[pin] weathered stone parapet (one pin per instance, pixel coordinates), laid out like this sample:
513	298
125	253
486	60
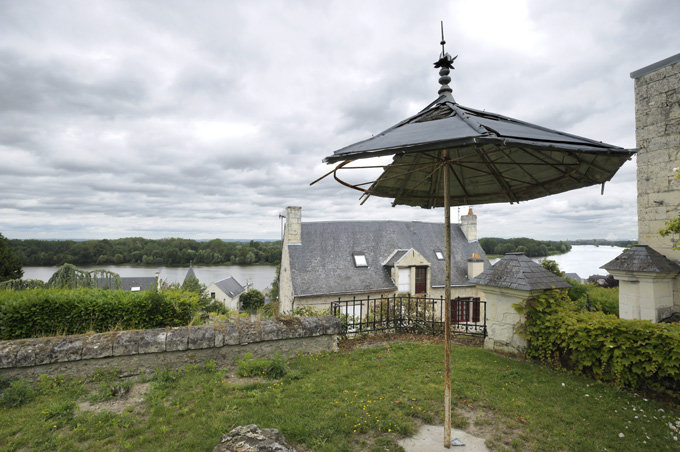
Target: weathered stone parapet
145	349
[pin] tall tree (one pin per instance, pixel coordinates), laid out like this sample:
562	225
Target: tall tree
10	267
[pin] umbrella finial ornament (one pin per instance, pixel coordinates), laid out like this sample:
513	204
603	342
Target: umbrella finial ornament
445	63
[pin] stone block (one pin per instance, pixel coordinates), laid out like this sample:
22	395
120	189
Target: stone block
249	332
292	328
8	353
331	324
271	330
35	352
177	339
126	343
98	346
201	336
226	334
69	348
312	325
152	341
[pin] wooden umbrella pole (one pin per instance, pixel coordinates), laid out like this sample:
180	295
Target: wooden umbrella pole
447	306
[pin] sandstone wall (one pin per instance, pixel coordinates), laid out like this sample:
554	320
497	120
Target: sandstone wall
132	351
657	130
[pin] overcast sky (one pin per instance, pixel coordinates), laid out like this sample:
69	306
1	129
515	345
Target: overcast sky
205	119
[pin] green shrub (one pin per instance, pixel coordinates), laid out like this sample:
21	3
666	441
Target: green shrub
273	368
40	312
627	353
251	300
16	394
603	299
22	284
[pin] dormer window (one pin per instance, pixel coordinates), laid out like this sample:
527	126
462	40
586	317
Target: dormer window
439	254
360	260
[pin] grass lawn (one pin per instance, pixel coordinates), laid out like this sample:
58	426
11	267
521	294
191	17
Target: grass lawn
362	400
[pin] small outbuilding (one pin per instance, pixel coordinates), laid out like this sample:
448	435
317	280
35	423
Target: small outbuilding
512	280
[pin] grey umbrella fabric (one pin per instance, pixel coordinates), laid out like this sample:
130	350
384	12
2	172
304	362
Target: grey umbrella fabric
492	158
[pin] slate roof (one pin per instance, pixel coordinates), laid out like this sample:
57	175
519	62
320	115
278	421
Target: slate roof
445	123
143	282
642	258
516	271
396	257
190	272
230	287
322	264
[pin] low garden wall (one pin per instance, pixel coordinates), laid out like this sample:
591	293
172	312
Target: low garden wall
136	350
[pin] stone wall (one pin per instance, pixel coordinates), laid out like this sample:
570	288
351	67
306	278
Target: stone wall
657	130
132	351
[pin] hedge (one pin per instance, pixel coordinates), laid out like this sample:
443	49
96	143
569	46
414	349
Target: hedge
627	353
46	312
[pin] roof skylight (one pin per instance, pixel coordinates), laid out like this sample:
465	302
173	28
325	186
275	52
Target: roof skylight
360	260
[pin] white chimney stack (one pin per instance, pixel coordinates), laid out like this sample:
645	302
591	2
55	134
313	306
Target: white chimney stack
293	232
468	224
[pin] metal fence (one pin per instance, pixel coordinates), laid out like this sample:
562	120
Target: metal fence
411	314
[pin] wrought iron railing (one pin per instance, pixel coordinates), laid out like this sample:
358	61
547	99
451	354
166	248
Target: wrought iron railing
410	314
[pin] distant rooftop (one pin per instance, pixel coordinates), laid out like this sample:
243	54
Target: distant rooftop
655	66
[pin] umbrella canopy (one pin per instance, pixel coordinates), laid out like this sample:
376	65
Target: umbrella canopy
491	158
453	155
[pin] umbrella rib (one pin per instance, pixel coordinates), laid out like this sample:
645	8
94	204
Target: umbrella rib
466	194
404	194
498	177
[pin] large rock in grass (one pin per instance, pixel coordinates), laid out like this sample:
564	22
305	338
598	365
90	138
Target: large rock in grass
252	439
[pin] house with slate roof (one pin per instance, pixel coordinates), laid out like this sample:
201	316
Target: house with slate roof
322	262
228	291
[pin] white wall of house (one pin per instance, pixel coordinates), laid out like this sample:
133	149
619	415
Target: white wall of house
230	303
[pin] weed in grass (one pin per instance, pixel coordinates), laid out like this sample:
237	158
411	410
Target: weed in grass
108	390
58	413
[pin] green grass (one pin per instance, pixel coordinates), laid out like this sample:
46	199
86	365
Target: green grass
358	401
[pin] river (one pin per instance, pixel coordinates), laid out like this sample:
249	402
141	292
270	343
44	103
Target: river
261	276
584	260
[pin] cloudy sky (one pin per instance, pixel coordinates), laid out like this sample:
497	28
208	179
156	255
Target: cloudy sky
204	119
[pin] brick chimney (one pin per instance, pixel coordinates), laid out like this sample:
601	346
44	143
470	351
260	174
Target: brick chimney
293	231
468	223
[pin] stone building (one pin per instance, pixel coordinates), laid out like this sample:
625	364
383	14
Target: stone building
324	261
650	286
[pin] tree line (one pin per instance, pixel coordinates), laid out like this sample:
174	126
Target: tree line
603	242
530	247
137	250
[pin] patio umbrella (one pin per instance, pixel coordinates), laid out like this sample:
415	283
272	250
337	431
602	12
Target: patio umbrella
450	155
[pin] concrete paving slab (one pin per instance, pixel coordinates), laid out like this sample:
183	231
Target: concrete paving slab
430	438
